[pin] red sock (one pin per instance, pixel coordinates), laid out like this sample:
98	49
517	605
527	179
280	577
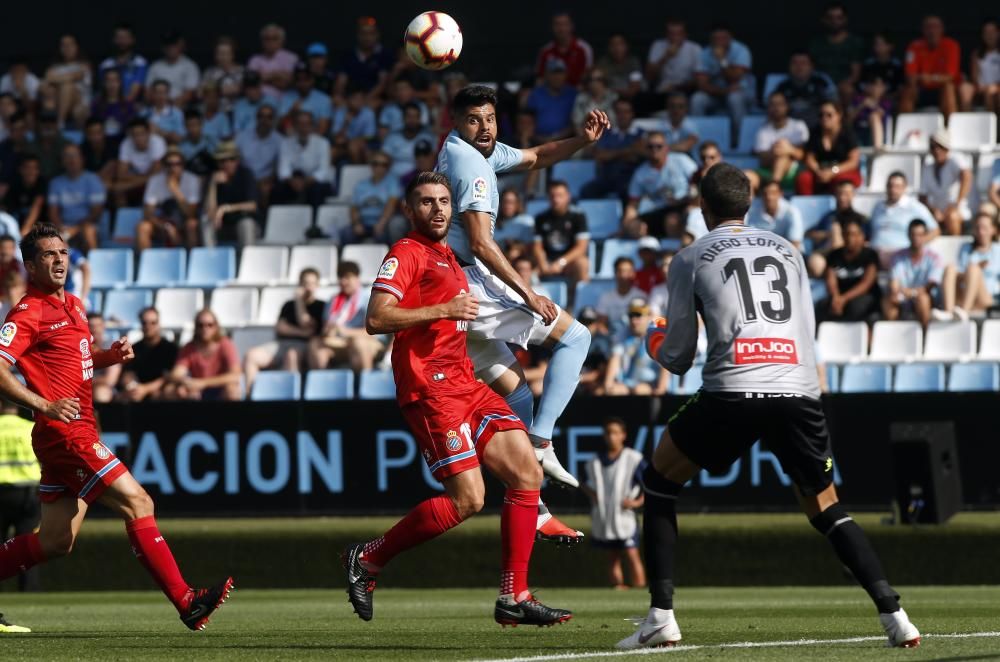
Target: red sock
154	554
517	531
428	520
20	554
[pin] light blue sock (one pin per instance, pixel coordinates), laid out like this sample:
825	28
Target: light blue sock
522	403
561	378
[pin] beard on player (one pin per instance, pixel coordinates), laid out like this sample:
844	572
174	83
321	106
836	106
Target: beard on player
428	205
478	127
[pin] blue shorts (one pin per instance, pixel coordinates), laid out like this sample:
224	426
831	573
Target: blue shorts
628	543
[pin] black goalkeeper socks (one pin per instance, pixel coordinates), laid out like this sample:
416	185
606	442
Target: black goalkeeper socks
659	529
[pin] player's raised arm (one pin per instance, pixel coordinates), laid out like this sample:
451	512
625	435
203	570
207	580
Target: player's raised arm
678	350
543	156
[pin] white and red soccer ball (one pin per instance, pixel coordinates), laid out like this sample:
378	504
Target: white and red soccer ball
433	40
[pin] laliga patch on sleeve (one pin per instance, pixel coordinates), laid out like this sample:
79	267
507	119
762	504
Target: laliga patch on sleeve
7	333
479	189
388	269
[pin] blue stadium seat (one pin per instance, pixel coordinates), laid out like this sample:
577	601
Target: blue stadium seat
748	133
124	305
329	385
377	385
742	161
126	220
536	206
111	267
771	83
919	378
588	293
713	128
95	299
813	208
832	378
209	267
161	267
576	173
866	378
975	376
104	227
603	217
557	290
276	385
614	249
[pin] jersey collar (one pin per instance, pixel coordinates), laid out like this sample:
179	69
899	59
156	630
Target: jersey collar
51	299
416	236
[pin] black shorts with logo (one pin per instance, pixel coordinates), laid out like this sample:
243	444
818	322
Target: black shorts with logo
713	429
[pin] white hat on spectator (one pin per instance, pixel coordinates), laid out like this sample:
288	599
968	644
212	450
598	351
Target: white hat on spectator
942	137
649	243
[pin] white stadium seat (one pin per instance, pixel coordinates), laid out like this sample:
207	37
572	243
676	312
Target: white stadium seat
948	247
263	265
332	219
322	257
178	306
251	336
950	341
350	175
235	306
368	258
884	165
914	130
896	342
864	202
989	341
287	224
271	301
973	132
842	342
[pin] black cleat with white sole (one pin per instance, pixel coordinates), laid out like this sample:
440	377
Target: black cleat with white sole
529	612
204	603
360	583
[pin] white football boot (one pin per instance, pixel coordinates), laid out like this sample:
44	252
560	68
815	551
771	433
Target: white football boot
902	633
658	630
551	465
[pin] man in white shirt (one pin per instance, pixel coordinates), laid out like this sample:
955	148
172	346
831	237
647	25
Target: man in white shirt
779	145
259	148
305	175
890	220
170	205
175	68
672	61
138	157
612	306
945	184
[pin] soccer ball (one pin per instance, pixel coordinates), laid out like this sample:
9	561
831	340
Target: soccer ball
433	40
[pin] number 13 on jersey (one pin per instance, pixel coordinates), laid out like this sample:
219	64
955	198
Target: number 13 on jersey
776	307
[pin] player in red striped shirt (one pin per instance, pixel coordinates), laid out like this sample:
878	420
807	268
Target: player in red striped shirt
421	295
47	337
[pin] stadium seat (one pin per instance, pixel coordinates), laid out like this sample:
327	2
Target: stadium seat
743	162
948	247
973	132
813	208
287	224
329	385
842	342
717	129
350	175
111	267
178	306
919	378
322	257
104	227
211	267
913	130
866	378
276	385
771	83
603	217
95	300
748	133
588	293
974	376
367	256
535	207
271	301
576	173
557	290
235	306
989	340
884	165
251	336
161	267
865	201
263	265
126	220
950	341
895	342
832	378
332	219
377	385
121	307
614	249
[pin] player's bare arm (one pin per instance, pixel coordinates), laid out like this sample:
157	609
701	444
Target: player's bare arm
543	156
386	316
11	389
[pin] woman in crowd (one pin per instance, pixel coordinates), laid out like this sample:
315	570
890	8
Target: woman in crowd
978	274
832	154
513	223
208	367
984	67
226	75
112	107
70	76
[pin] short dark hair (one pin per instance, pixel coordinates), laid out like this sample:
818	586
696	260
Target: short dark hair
29	244
917	222
6	237
92	120
149	309
425	177
614	420
845	182
473	95
137	122
411	105
193	114
556	183
348	268
709	143
308	270
800	51
852	220
768	184
725	192
896	173
622	260
160	81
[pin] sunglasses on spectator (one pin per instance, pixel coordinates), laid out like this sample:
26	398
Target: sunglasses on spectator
204	325
380	164
657	146
828	114
174	164
149	322
634	315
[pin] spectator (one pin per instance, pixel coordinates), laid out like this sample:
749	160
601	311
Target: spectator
994	190
176	68
304	173
399	144
779	145
78	265
25	197
883	65
317	58
9	106
20	473
595	365
13	150
868	112
723	79
562	237
105	379
890	222
932	70
832	154
978	267
216	124
680	131
804	89
552	103
828	234
616	154
146	375
367	65
70	78
165	119
945	184
659	296
374	204
852	293
208	367
304	96
424	160
76	201
596	95
623	70
195	147
231	200
226	73
770	211
131	66
246	107
916	272
112	107
300	320
259	148
838	53
525	268
138	159
513	224
613	485
649	274
48	145
576	55
20	82
663	179
13	277
391	117
984	70
274	64
170	206
344	339
612	306
631	370
99	155
353	127
673	60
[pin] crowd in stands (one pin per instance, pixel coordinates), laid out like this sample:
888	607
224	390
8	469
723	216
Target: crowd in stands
859	154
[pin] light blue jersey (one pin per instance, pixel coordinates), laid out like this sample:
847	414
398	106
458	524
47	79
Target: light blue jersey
473	185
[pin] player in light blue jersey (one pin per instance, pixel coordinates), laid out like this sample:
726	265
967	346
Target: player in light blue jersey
510	311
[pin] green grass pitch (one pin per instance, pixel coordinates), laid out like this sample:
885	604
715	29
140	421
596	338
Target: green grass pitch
456	624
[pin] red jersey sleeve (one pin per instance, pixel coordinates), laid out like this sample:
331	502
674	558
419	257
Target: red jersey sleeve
19	331
400	269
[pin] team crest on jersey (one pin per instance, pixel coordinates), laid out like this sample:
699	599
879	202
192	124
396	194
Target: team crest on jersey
454	443
102	451
388	269
85	348
479	189
7	333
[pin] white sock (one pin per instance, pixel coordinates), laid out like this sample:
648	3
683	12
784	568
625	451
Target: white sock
659	616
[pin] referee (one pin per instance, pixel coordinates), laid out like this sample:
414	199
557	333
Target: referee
19	477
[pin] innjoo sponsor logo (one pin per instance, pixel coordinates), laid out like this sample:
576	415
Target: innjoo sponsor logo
765	350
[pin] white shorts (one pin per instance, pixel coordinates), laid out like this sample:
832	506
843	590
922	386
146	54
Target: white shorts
503	318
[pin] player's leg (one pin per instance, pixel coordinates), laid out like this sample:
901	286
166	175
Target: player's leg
27	519
259	358
615	575
637	572
6	627
60	524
